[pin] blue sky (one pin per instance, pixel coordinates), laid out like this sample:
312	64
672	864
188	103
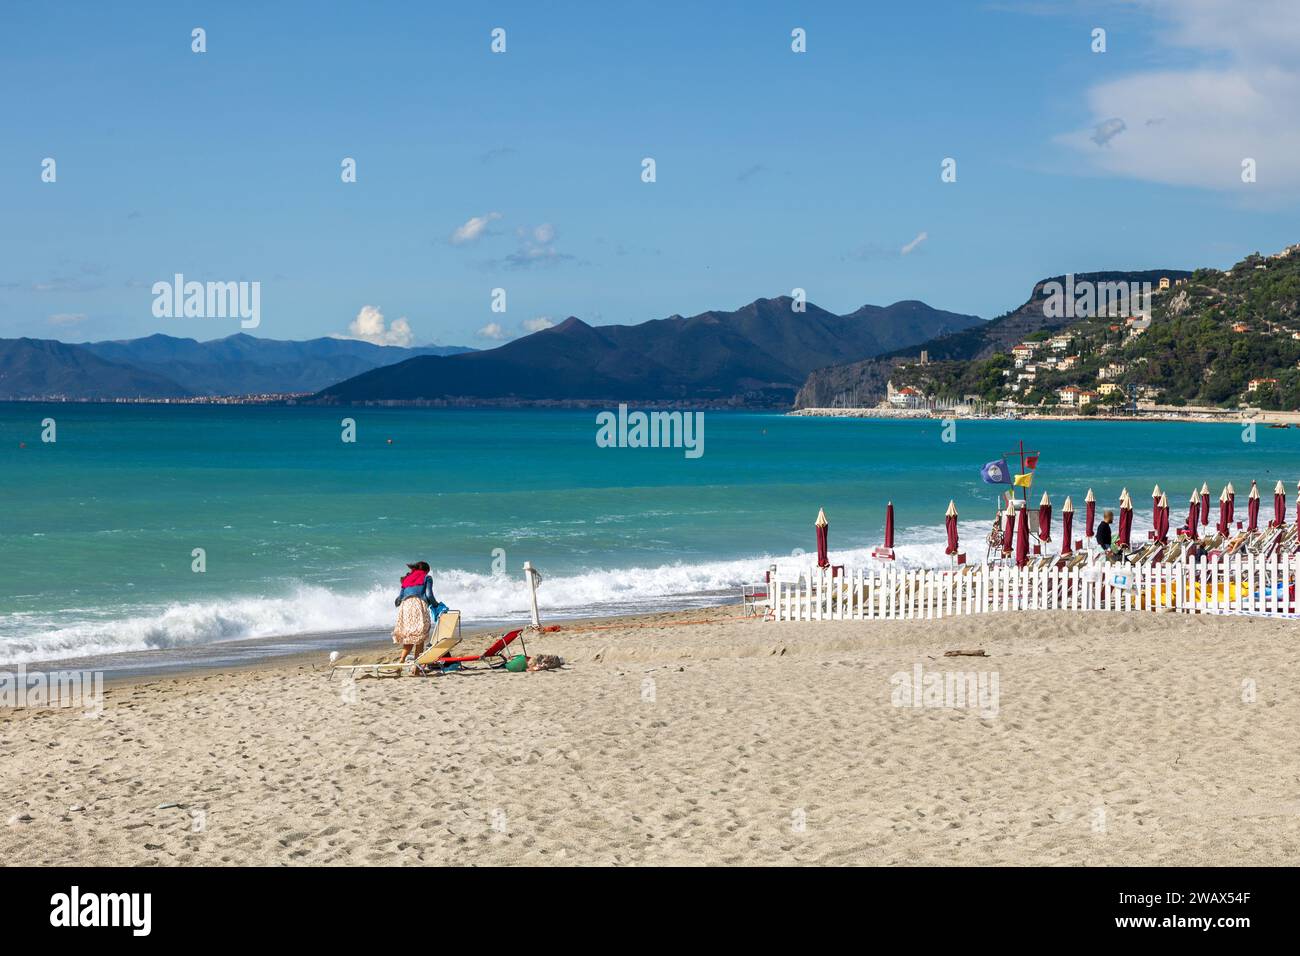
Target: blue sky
775	170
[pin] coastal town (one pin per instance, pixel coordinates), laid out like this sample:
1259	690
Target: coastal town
1136	357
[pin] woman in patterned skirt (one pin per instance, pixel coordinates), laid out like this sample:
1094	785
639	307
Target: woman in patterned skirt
413	604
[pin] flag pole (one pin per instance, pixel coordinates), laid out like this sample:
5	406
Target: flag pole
1024	492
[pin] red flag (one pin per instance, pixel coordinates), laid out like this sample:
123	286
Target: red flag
1031	461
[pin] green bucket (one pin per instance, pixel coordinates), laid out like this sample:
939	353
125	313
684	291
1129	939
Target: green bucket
517	664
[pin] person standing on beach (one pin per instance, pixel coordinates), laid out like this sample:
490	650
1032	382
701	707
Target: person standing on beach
413	603
1103	530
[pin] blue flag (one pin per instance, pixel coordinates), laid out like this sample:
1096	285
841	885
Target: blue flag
996	473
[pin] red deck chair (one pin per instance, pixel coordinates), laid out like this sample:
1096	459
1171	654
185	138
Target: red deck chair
494	656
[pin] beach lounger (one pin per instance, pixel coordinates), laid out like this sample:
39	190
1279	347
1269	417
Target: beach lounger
494	656
446	635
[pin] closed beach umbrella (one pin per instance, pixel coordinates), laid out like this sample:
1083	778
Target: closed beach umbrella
1205	504
1232	502
1067	525
889	525
1125	518
1045	519
950	523
1224	512
1022	537
1252	508
1162	518
1194	513
1089	514
1155	504
821	524
1279	504
1009	532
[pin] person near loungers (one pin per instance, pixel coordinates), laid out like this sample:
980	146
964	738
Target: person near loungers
413	603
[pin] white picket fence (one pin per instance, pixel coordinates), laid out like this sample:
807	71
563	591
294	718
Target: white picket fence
1239	584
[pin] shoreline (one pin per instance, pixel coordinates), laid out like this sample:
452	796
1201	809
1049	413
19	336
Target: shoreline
891	414
692	737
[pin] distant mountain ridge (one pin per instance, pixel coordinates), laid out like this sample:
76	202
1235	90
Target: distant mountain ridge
754	356
866	379
39	368
169	367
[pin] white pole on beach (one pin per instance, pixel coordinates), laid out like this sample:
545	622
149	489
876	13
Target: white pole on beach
533	577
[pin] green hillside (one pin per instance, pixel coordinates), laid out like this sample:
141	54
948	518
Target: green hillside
1209	337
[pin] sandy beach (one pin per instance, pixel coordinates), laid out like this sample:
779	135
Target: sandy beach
1115	739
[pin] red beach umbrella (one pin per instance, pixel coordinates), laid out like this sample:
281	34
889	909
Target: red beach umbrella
889	526
1045	519
1162	518
1125	519
1089	514
950	523
1225	513
822	526
1252	508
1067	525
1205	504
1009	533
1022	537
1232	502
1155	508
1193	513
1279	504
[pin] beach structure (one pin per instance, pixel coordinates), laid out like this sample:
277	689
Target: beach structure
1240	583
886	553
1125	530
1067	526
1227	569
950	528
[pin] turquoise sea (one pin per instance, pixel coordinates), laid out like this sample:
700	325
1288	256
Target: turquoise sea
302	532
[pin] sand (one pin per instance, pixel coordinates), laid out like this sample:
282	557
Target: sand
1117	739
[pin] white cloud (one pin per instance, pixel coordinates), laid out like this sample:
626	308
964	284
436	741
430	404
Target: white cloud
538	324
67	318
491	331
1193	126
536	247
369	326
472	229
920	238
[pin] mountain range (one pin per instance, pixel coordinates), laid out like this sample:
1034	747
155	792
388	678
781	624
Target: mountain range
164	366
755	356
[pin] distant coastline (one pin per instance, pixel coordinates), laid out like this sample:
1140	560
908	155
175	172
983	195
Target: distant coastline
1156	414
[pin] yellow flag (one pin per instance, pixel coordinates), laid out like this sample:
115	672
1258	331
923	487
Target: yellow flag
1024	481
